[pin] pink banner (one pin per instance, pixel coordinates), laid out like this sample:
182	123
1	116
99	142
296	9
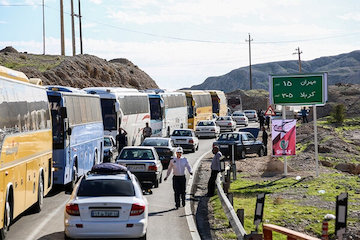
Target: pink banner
284	137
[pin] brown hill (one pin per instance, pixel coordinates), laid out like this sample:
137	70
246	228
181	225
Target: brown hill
79	71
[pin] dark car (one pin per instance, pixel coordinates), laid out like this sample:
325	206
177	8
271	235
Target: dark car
244	143
164	148
109	148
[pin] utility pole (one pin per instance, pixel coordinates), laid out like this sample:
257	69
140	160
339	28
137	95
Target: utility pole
62	28
73	28
43	12
80	29
298	52
250	39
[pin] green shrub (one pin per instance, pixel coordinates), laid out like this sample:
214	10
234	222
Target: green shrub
338	114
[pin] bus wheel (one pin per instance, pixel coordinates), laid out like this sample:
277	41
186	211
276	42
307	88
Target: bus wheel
7	219
72	184
168	132
39	203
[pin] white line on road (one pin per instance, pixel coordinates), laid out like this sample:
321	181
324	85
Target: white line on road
44	222
188	212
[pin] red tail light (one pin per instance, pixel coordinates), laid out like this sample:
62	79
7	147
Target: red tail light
191	141
229	124
152	168
72	209
137	209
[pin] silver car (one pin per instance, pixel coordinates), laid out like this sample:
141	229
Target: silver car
226	123
207	128
240	118
144	163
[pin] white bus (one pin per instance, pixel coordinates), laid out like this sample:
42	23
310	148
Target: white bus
123	107
168	111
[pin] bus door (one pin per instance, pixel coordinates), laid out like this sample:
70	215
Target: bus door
60	141
156	116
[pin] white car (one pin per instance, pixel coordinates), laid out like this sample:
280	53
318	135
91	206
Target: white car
144	162
186	139
106	203
226	123
207	128
240	118
251	115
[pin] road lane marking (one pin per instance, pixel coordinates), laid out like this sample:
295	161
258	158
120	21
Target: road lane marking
45	221
188	213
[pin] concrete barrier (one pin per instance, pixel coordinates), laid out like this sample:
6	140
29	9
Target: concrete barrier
229	211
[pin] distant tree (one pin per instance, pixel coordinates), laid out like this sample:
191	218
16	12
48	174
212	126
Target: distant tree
338	114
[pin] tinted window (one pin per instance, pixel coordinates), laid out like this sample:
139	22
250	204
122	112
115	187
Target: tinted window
136	154
185	133
105	187
155	108
107	142
155	142
229	137
209	123
108	114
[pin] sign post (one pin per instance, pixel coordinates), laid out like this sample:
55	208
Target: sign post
300	89
341	215
259	210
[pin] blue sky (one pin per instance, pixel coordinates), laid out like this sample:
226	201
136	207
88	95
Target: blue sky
181	43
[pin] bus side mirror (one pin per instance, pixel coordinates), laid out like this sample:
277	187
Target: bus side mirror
69	131
63	112
117	107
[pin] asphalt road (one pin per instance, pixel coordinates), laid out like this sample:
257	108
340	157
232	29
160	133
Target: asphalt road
164	221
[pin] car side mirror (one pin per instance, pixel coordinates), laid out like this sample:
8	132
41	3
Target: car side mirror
69	131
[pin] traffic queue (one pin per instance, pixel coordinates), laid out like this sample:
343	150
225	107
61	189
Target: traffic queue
54	135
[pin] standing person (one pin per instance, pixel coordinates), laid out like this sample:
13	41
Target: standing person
215	169
265	139
261	119
267	121
121	139
147	131
304	114
178	165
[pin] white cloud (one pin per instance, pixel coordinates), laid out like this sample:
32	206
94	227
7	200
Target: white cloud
352	16
4	2
3	22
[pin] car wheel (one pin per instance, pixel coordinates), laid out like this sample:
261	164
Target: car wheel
197	147
39	204
161	178
72	184
143	237
242	154
193	149
261	152
66	237
156	184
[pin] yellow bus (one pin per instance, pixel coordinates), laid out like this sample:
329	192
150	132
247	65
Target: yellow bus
219	103
199	106
25	146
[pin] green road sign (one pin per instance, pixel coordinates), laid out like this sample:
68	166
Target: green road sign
298	89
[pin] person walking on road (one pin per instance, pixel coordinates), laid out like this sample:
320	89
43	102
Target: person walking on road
215	169
147	131
264	139
121	139
177	166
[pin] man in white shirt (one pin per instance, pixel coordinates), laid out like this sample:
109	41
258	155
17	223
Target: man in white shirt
177	165
215	169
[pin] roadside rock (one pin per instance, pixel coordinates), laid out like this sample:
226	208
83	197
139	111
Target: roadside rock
348	167
326	163
8	49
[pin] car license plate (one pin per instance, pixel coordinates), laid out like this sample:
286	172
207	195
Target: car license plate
104	213
224	146
136	167
181	140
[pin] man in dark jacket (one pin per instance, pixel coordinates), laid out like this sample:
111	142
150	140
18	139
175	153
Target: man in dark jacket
121	139
264	139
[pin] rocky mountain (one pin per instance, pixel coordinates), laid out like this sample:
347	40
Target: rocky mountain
343	68
77	71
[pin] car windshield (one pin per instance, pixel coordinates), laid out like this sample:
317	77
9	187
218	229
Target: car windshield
224	119
229	137
249	112
207	123
238	114
182	133
107	142
136	154
105	188
155	142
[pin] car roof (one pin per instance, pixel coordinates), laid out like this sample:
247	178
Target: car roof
183	129
157	138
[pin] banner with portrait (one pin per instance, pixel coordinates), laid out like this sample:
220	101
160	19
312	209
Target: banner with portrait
283	137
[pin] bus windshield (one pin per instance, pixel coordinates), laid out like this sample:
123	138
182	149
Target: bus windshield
108	114
57	122
155	109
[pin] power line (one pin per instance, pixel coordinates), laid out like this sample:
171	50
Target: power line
298	52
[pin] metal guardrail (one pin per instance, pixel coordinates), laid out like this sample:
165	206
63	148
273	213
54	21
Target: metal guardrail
229	211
